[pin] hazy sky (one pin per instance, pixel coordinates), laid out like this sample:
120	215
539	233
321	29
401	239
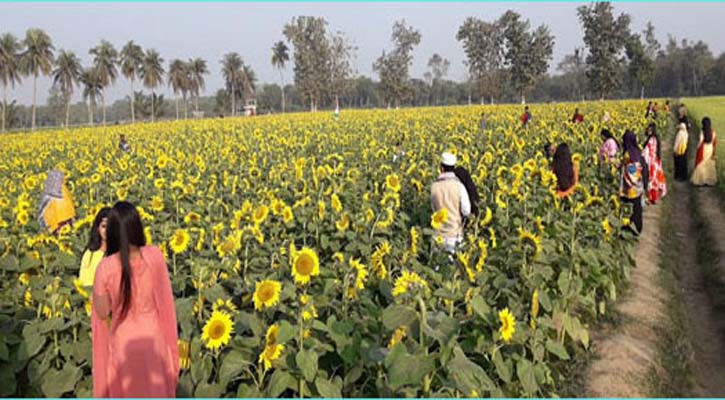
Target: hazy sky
183	30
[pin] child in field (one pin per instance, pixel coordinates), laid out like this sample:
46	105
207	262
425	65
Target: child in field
95	249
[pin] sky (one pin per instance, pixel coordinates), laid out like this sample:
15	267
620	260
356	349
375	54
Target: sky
209	30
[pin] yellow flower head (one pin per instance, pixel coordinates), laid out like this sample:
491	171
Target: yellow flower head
184	353
528	237
179	241
508	323
392	182
157	204
414	239
305	265
361	276
487	218
217	330
408	281
272	350
266	294
439	218
343	223
335	203
192	218
287	215
321	209
260	214
225	306
398	336
535	304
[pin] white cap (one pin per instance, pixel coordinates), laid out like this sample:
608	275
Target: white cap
448	159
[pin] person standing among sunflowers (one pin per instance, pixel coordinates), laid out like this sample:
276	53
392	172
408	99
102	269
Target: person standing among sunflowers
56	203
681	152
631	185
451	204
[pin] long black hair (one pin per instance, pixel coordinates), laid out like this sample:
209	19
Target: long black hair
606	134
124	230
465	178
563	167
629	143
707	130
94	239
652	131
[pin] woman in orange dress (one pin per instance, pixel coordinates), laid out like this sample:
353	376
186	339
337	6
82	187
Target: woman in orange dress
135	351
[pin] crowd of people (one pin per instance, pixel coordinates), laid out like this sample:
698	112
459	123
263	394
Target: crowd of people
133	320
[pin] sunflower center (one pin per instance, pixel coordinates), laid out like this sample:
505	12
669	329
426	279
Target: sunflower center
304	265
216	331
266	292
179	240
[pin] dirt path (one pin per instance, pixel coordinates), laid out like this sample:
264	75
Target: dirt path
626	353
708	318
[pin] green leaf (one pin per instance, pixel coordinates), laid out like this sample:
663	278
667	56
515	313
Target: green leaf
405	369
286	332
206	390
33	342
280	382
329	389
55	383
468	375
201	371
233	364
9	263
248	391
525	372
307	362
480	307
7	382
556	348
395	316
442	328
502	368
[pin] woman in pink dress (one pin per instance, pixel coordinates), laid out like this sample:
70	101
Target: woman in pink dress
135	351
657	187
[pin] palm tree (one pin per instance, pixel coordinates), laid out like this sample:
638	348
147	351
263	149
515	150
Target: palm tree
37	59
178	80
152	73
280	56
91	89
66	75
105	58
247	82
197	70
131	59
231	69
9	68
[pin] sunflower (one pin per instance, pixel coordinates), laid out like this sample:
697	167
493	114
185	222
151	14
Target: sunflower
230	245
28	298
377	260
277	207
305	265
361	275
225	306
162	161
414	239
184	356
160	183
157	204
217	330
392	182
335	203
607	227
508	323
487	218
180	241
260	214
287	215
492	236
408	281
439	218
343	223
321	209
398	336
526	236
535	304
22	218
24	279
483	253
266	294
192	218
272	350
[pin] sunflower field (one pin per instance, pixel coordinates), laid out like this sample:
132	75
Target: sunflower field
303	257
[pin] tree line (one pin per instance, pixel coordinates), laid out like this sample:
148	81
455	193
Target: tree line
506	59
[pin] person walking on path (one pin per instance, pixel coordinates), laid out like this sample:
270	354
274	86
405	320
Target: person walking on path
134	326
680	152
449	197
705	173
652	154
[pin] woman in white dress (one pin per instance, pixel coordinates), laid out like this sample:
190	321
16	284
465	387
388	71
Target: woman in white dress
705	167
